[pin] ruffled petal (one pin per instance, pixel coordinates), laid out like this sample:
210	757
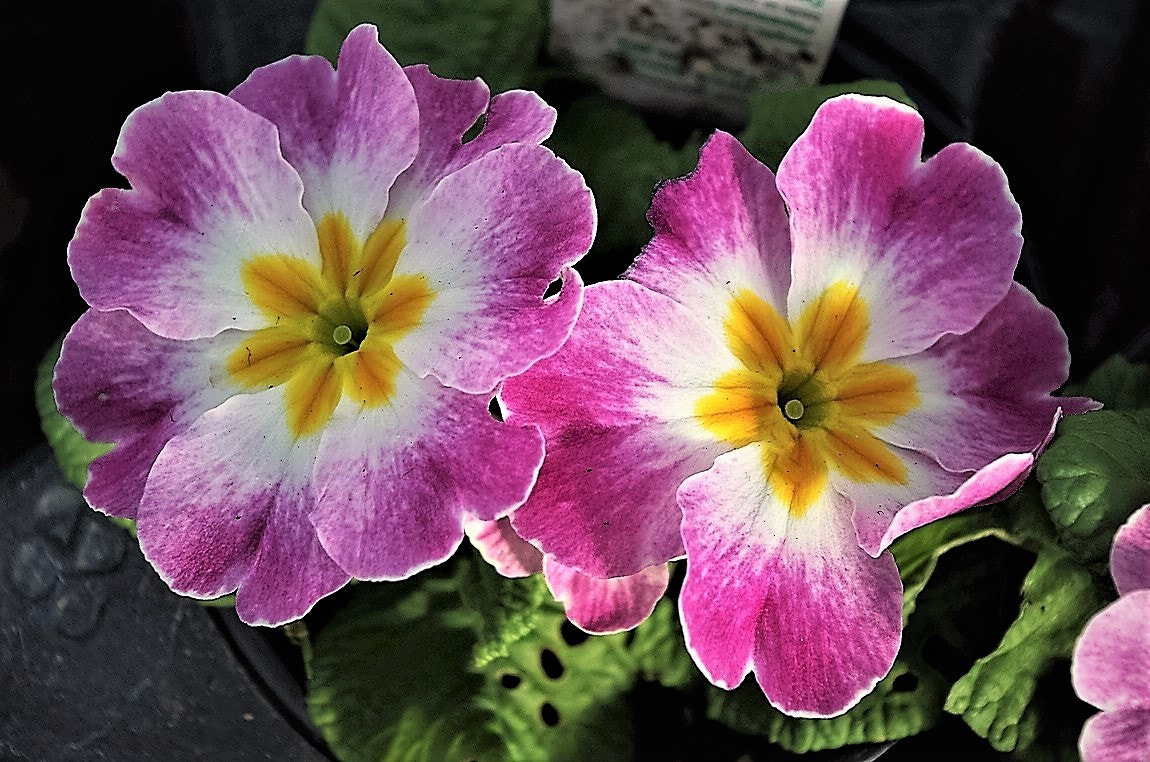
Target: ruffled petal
884	512
349	133
605	606
934	243
222	510
120	383
1110	667
1118	736
617	404
720	230
395	483
1130	554
209	190
500	546
987	392
447	109
489	240
792	598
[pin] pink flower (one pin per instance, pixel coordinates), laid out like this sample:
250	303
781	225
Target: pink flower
300	311
790	377
1110	667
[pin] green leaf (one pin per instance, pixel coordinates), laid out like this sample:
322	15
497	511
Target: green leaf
507	609
622	161
568	704
499	40
391	677
1094	474
917	553
659	651
1117	383
777	118
907	701
73	452
997	697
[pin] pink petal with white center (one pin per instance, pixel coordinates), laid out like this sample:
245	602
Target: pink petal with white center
489	240
617	406
792	598
225	507
349	133
1119	736
987	392
1110	667
885	512
120	383
605	606
209	189
500	546
1130	553
935	243
395	483
721	229
447	109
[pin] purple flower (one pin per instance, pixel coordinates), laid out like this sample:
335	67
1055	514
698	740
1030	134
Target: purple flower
791	376
1110	667
300	311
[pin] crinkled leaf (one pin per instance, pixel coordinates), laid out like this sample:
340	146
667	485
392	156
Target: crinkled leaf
499	40
1094	474
907	701
507	609
73	452
997	697
658	649
391	677
556	701
917	553
777	118
622	161
1117	383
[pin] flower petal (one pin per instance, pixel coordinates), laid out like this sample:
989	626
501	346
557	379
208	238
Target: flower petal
118	382
1118	736
721	229
223	506
447	109
395	483
934	243
489	240
987	392
605	606
348	133
500	546
1130	554
884	512
209	189
794	599
617	404
1110	667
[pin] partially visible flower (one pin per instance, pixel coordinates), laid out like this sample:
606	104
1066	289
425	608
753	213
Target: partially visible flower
1110	667
789	378
594	605
300	311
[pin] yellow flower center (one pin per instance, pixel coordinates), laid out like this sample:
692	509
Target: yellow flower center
804	395
331	329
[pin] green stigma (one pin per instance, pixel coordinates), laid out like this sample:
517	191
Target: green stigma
794	409
341	335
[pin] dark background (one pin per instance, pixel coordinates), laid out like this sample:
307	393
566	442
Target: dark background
1058	92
